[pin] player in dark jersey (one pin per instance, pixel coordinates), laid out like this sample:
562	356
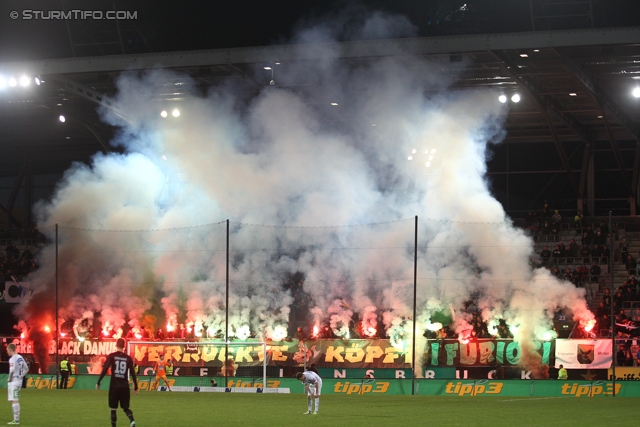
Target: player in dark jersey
121	367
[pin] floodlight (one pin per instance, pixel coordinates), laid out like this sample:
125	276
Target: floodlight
515	98
164	113
636	92
37	80
62	118
175	113
334	104
573	94
3	83
502	98
24	81
267	68
12	82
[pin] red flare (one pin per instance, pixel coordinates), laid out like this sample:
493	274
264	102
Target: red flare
369	332
589	325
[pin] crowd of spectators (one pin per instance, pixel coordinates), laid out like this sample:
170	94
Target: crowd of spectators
579	263
582	261
16	264
22	236
18	258
581	255
624	302
626	327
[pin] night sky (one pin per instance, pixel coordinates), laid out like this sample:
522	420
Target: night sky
172	26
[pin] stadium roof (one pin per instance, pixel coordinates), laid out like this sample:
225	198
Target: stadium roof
571	140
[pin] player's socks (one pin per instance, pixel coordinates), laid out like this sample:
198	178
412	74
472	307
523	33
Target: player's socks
16	411
317	404
130	416
114	418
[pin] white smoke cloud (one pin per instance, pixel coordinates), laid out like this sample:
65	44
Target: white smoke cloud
288	158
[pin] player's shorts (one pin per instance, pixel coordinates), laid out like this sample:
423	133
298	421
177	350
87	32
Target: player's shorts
314	387
158	377
13	391
121	396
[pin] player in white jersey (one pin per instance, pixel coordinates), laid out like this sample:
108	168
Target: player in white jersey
18	368
313	386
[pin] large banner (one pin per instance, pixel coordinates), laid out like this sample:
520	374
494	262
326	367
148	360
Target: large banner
481	353
14	292
583	354
326	353
339	354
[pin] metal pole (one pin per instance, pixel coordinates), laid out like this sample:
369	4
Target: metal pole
612	319
533	21
415	321
264	366
226	321
66	21
57	332
118	31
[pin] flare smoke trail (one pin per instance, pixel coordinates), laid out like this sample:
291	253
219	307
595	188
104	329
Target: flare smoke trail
285	157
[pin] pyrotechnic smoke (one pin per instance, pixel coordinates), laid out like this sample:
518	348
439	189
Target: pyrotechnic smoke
398	144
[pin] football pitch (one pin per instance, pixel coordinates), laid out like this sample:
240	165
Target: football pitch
81	408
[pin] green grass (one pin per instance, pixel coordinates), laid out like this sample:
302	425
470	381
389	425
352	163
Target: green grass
78	408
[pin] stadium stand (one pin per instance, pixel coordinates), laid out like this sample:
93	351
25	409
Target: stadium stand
579	251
